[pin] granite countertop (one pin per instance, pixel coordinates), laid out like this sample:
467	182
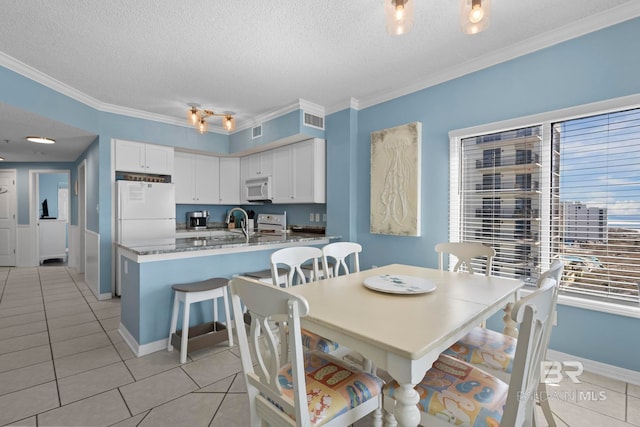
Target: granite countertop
227	240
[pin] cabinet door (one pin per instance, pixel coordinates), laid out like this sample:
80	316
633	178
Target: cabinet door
251	166
282	175
308	159
183	178
130	156
207	180
230	180
159	159
266	163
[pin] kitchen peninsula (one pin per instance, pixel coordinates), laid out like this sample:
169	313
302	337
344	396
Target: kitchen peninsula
149	269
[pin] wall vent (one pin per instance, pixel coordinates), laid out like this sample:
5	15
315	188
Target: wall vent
256	132
314	121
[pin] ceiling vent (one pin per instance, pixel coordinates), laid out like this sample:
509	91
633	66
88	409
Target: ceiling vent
314	121
256	132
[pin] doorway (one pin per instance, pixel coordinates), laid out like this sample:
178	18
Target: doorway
8	200
50	216
80	192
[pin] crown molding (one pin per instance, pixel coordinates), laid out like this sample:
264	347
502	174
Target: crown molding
300	104
311	108
351	103
588	25
37	76
611	17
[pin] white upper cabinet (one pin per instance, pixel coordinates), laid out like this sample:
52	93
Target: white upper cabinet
257	165
282	178
197	179
299	172
309	171
143	158
229	180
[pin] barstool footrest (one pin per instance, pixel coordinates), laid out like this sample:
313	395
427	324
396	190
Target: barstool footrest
202	336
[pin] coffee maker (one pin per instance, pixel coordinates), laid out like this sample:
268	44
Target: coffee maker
197	220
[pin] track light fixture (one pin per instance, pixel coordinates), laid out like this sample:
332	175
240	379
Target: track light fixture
474	15
399	16
197	117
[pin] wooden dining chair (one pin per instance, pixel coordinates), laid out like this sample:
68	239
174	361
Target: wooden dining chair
292	259
466	252
340	251
494	352
314	388
454	392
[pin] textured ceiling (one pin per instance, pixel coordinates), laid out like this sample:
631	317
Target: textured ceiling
254	57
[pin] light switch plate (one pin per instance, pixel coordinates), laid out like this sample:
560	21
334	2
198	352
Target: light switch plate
318	217
324	217
311	216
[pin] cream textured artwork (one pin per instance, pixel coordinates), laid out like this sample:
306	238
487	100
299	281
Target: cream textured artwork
395	180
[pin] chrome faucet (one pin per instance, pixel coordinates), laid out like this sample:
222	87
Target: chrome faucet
244	224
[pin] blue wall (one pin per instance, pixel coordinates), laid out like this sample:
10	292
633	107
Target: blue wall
48	188
595	67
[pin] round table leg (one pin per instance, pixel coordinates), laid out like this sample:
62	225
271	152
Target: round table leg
510	326
406	412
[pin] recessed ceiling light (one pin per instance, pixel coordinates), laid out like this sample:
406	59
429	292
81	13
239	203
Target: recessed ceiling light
41	139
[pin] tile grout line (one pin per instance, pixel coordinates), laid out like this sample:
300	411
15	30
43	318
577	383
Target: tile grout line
53	363
626	403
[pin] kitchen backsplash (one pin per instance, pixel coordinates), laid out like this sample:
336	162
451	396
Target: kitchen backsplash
298	214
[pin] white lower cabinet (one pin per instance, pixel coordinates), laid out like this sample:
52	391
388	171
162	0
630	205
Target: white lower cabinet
53	239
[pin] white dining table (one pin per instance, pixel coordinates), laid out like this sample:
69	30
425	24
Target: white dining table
403	333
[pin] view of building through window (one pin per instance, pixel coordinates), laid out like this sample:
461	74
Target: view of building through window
598	228
574	197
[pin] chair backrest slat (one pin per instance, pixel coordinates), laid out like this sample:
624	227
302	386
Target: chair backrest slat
340	251
465	252
269	307
534	314
293	258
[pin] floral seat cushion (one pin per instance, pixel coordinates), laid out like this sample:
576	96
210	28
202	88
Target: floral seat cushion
459	393
314	342
332	386
484	347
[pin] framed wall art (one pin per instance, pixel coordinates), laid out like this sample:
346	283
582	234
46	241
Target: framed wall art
395	180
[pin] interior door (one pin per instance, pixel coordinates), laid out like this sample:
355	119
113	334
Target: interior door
7	218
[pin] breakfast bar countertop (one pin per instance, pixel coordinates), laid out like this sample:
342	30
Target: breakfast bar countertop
232	241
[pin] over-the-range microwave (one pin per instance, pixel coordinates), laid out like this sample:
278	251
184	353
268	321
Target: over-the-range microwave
258	189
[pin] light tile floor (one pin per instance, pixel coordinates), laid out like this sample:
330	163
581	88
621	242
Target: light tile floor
63	363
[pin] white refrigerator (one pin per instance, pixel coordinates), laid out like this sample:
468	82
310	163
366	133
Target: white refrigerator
146	212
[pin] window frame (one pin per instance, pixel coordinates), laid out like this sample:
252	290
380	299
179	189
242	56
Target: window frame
545	119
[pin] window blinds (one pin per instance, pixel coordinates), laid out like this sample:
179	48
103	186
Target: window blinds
500	198
596	221
566	190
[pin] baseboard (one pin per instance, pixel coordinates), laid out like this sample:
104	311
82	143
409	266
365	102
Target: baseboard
609	371
102	297
141	350
152	347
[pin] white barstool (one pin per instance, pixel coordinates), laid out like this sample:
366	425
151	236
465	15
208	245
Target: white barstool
266	276
190	293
